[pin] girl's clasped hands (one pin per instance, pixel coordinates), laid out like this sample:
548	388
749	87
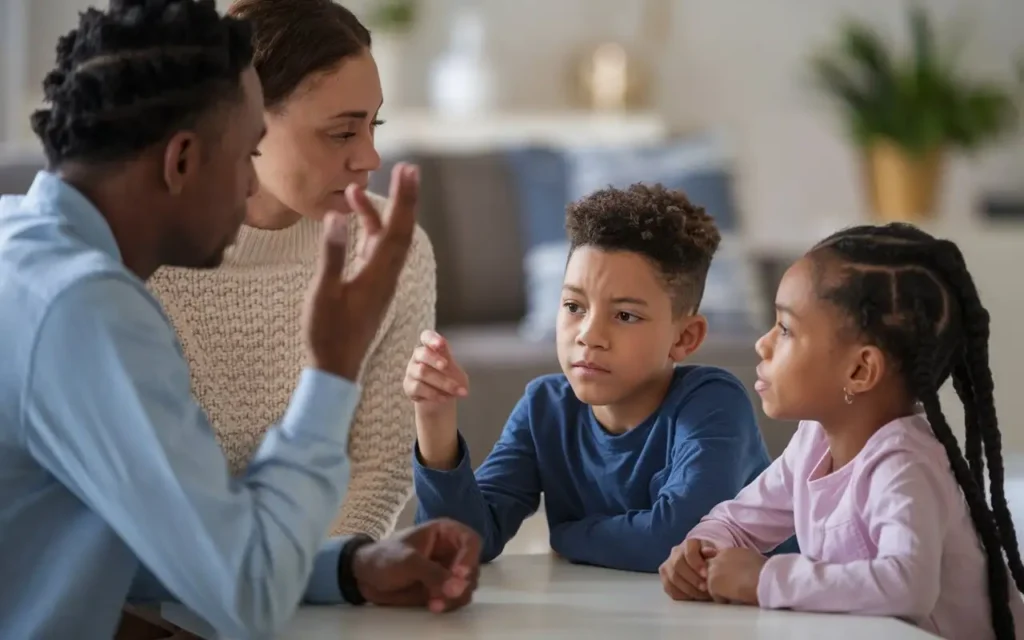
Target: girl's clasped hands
699	570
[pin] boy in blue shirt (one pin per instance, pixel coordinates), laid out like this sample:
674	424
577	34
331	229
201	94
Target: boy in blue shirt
629	450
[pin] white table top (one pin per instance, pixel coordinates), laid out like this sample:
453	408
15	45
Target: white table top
540	597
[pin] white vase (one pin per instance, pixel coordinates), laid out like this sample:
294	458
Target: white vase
462	80
389	50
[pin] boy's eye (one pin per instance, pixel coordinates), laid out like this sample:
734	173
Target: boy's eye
628	317
783	329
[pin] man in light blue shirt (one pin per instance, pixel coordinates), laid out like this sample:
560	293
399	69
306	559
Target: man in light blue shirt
112	485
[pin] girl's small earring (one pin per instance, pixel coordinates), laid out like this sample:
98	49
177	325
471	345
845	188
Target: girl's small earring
847	396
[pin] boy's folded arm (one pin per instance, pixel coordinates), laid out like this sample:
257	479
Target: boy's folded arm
706	469
696	483
906	519
760	517
494	502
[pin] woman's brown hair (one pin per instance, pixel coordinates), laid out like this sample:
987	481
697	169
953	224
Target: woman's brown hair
293	39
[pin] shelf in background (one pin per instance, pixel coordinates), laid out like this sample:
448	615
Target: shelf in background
429	132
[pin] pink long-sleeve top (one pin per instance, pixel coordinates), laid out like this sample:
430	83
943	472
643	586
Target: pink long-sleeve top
888	534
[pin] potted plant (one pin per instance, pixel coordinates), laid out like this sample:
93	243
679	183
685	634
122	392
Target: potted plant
906	113
390	22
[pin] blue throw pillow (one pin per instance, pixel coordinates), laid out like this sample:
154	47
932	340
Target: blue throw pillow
542	180
548	179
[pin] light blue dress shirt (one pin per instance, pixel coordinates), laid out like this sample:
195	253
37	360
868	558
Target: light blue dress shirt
112	484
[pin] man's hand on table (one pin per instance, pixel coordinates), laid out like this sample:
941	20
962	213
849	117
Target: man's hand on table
436	564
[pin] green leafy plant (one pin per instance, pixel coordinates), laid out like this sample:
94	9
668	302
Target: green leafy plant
392	15
919	102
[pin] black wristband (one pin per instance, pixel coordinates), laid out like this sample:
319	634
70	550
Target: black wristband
346	580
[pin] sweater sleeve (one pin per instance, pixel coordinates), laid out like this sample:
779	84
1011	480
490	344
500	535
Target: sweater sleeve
384	427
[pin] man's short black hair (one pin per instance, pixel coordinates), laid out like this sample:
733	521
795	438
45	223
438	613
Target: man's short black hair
678	237
130	77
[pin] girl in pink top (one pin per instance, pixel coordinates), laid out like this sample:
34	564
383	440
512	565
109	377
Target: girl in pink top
890	518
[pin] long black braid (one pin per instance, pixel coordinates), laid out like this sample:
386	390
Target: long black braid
912	295
131	76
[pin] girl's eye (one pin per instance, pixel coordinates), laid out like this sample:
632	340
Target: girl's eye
783	329
571	307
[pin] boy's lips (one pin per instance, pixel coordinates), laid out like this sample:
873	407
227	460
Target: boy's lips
589	367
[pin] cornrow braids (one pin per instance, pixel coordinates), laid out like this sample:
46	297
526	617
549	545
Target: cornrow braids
130	77
912	295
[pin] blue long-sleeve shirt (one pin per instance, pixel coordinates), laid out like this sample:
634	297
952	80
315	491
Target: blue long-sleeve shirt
112	484
620	501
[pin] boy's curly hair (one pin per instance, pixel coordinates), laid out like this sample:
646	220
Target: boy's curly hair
677	236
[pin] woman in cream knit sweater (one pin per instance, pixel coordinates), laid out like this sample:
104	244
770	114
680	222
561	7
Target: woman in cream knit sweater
239	323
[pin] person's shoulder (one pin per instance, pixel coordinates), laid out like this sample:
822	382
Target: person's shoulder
44	265
904	456
906	441
702	384
709	401
95	302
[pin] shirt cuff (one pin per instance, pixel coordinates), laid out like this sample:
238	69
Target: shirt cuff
440	491
323	587
322	407
767	590
462	462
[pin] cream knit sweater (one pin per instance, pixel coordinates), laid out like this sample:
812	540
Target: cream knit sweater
239	326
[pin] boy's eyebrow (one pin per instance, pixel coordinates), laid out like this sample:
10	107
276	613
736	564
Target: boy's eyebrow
624	300
636	301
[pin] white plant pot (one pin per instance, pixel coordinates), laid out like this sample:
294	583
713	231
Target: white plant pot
462	79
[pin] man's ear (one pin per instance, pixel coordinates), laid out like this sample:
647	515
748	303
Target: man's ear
181	161
690	334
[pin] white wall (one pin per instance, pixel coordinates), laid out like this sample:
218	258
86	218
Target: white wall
735	64
730	63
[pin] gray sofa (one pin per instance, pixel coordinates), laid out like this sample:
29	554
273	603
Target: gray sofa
18	166
469	210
